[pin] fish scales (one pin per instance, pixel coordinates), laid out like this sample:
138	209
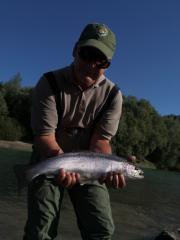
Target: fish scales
90	165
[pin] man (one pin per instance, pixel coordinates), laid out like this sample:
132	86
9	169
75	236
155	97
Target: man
83	91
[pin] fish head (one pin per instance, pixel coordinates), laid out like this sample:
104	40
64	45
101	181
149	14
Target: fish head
134	172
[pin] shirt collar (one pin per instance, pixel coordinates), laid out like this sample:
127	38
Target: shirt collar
101	78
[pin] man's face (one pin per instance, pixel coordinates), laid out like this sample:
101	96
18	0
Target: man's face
89	65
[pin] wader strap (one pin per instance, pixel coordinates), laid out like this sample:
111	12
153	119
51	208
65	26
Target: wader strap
54	87
114	91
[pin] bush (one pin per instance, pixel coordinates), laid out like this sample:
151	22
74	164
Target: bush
10	129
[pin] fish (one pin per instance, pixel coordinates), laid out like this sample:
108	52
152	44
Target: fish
90	165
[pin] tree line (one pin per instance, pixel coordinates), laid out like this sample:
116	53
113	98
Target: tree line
142	131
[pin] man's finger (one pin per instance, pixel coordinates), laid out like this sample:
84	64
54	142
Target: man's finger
115	180
122	182
73	180
67	180
61	176
77	175
109	178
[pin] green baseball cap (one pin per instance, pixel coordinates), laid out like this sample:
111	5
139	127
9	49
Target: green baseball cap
99	36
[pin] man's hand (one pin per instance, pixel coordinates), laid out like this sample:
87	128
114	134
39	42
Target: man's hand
100	144
115	180
67	179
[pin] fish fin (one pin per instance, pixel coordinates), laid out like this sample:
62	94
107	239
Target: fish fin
20	173
84	182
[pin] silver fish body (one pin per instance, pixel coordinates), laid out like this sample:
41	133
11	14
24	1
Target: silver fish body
90	166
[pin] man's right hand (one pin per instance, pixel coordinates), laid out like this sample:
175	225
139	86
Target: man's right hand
67	179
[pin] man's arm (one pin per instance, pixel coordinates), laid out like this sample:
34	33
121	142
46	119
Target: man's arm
100	144
44	120
47	146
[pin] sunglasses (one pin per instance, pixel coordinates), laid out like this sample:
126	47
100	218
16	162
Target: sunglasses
92	55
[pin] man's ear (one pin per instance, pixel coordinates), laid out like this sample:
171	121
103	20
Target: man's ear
74	49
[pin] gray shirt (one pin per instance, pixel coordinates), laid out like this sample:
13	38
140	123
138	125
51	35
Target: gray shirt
79	108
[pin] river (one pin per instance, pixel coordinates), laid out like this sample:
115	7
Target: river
141	210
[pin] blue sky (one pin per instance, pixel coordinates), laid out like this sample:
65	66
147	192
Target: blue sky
38	36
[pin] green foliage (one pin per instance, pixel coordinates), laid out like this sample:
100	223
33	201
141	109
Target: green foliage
146	134
15	110
10	129
171	151
14	84
11	90
20	110
3	106
141	128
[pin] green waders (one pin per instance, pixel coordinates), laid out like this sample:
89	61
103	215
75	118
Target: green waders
91	204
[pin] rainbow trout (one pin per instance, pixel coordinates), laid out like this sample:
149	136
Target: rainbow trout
90	165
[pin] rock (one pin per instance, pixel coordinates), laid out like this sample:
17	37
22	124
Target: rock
165	235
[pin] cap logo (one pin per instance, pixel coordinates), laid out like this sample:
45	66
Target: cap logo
102	31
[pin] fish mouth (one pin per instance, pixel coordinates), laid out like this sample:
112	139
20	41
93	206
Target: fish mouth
140	173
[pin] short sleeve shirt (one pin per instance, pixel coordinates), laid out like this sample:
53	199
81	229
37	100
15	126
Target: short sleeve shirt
79	108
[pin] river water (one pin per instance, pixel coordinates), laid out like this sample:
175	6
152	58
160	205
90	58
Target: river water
141	211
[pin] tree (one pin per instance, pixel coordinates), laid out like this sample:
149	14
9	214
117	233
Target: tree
18	101
11	90
21	111
141	129
3	106
10	127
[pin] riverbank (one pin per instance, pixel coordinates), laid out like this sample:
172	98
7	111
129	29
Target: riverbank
15	145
